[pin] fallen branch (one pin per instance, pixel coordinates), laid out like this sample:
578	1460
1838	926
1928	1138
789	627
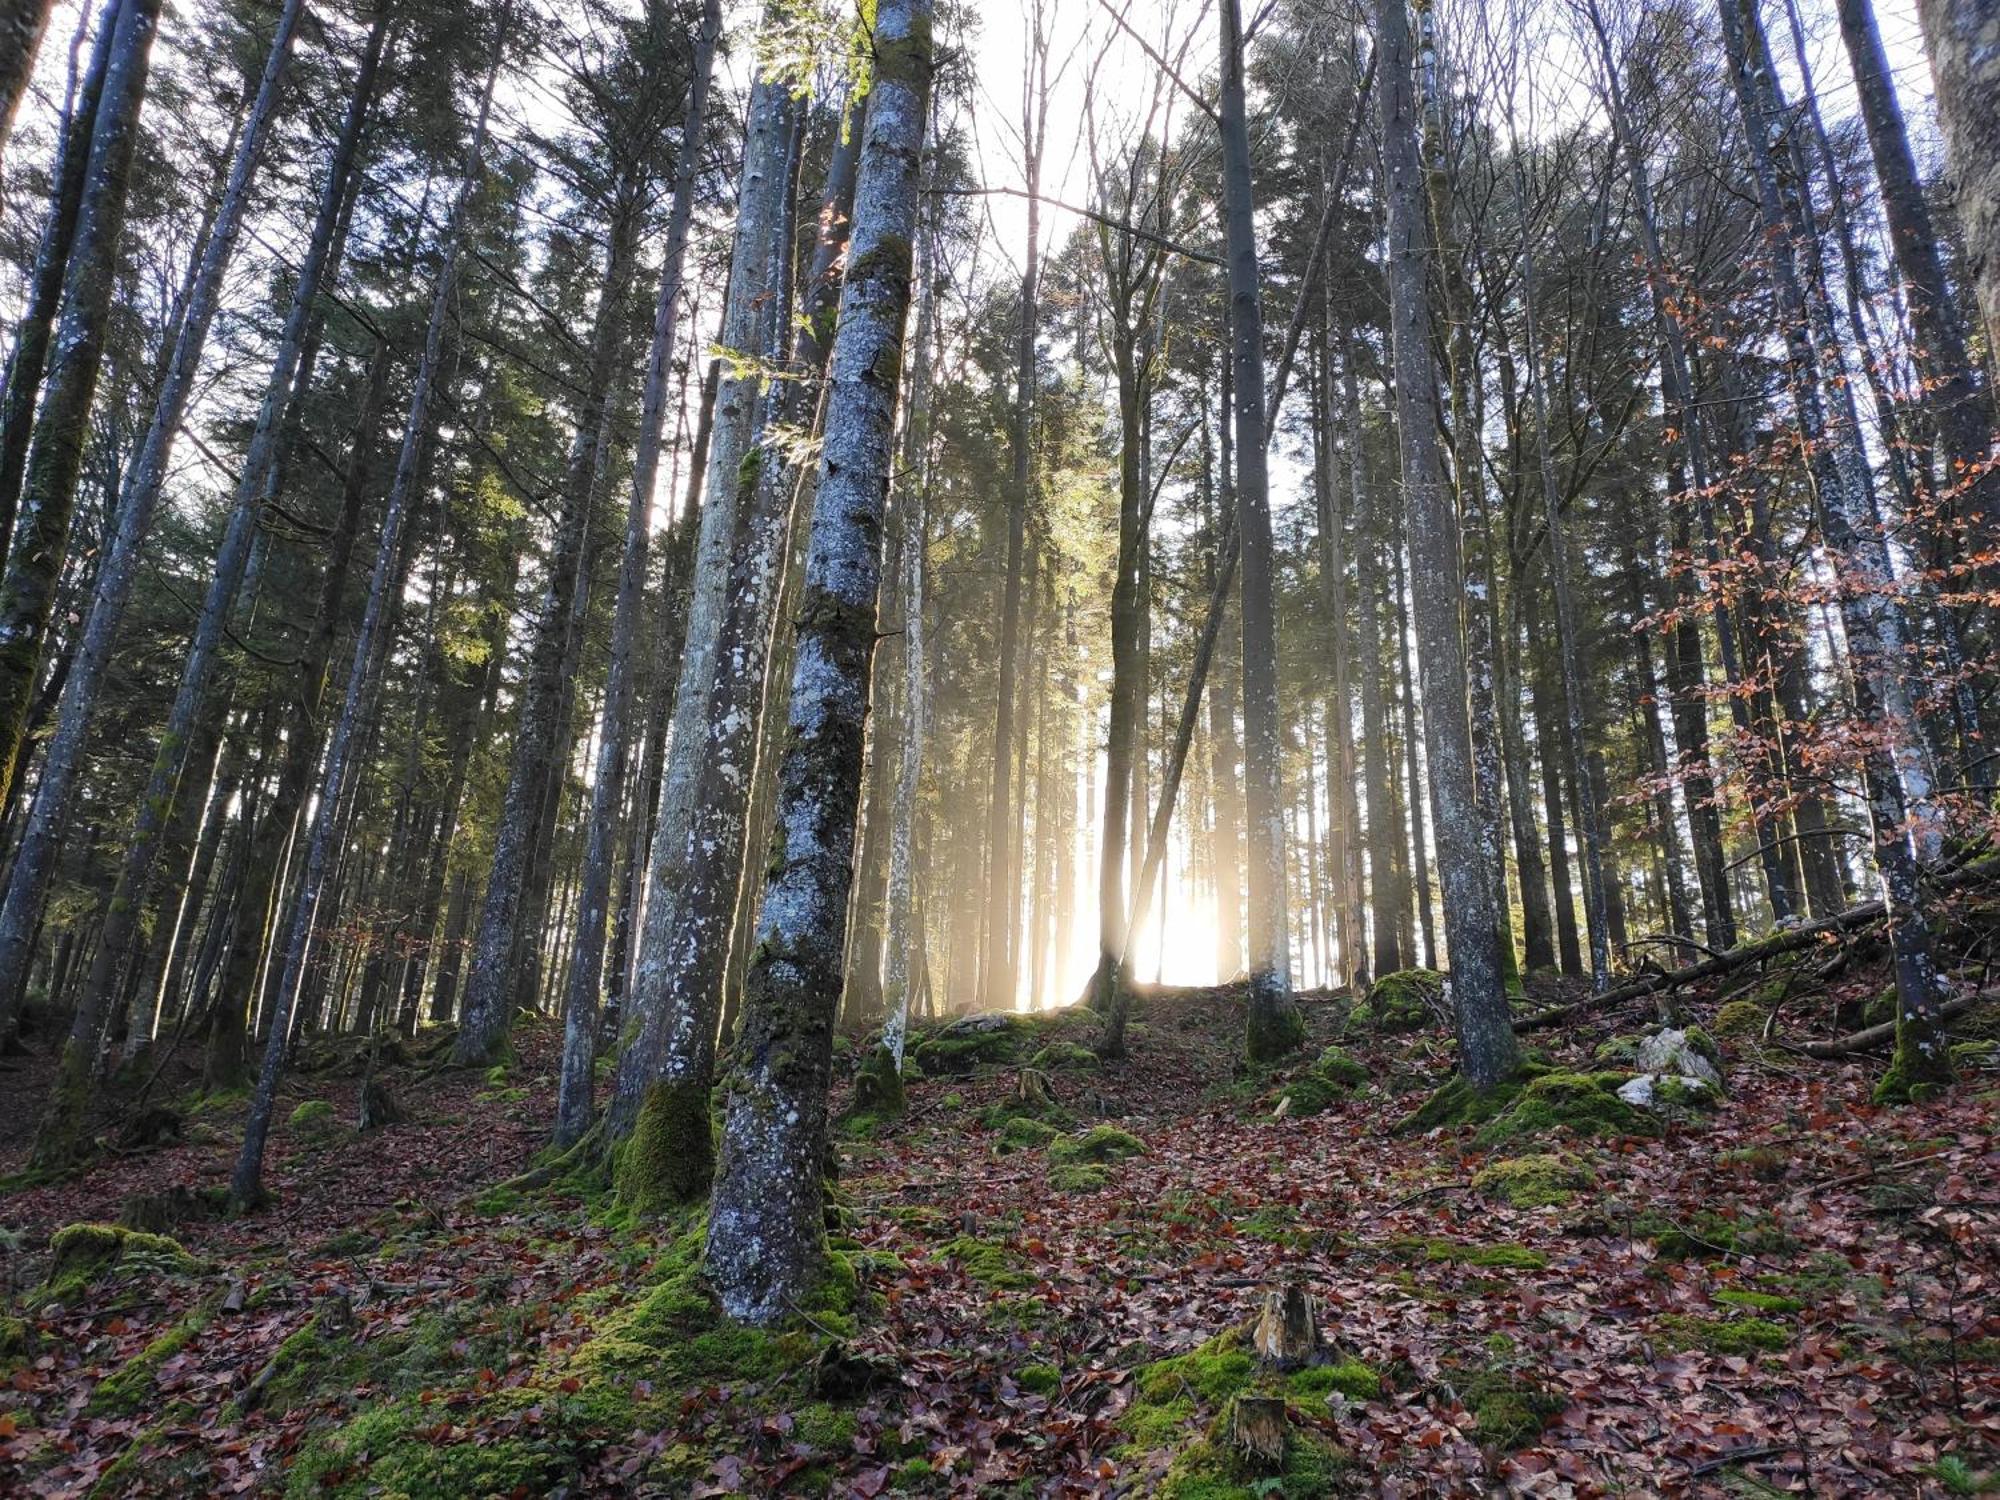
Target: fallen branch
1875	1036
1791	940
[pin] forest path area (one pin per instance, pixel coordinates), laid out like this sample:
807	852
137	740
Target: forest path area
1789	1294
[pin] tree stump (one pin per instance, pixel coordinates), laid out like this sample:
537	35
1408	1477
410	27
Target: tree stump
1031	1089
153	1126
1285	1336
379	1107
1257	1427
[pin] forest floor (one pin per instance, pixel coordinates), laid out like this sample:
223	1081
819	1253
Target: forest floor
1793	1293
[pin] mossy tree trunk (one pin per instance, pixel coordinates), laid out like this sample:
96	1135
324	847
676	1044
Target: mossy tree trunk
762	194
698	950
765	1234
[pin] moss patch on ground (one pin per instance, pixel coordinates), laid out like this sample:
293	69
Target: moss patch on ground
1183	1404
1743	1336
1541	1180
988	1264
1100	1143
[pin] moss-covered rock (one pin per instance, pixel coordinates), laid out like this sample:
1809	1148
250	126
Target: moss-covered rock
1333	1076
1584	1104
988	1038
1100	1143
1741	1021
1024	1133
1403	1001
1079	1176
80	1254
1540	1180
314	1121
1062	1054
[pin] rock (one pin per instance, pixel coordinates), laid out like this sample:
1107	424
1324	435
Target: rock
1677	1053
1665	1093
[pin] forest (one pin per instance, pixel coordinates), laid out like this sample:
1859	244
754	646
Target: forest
1113	748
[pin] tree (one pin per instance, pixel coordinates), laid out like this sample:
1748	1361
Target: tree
1274	1025
765	1223
1487	1052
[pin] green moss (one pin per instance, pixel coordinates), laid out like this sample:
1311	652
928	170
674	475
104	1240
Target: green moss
986	1263
1537	1181
130	1387
1979	1053
1331	1078
405	1448
1740	1336
496	1201
1079	1176
1709	1233
1685	1095
1705	1046
1043	1380
83	1253
1763	1302
1492	1257
1741	1020
878	1086
959	1048
1401	1001
1618	1052
1913	1075
1585	1104
1350	1377
1061	1054
314	1120
1509	1410
669	1160
1275	1031
1457	1102
1174	1395
825	1426
1100	1143
1024	1133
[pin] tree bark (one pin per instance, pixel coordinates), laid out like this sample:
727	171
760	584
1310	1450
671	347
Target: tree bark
1487	1051
765	1237
748	315
55	455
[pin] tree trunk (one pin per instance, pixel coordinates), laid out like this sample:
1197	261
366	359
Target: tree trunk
698	946
55	456
747	320
27	361
575	1104
23	23
1859	556
156	808
765	1236
1274	1024
1487	1051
